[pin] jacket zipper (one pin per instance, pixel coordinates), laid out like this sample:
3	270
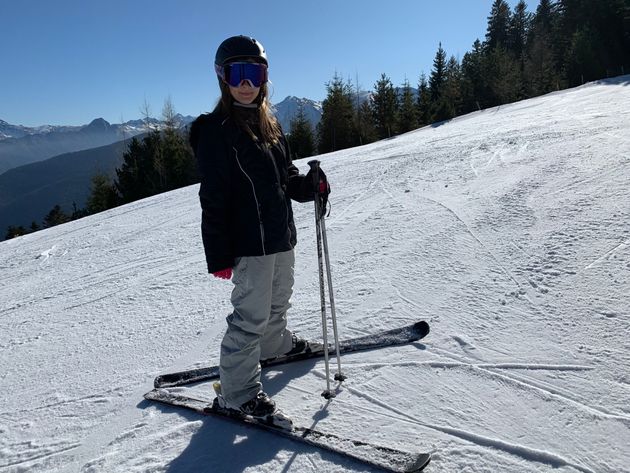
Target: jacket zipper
284	187
262	228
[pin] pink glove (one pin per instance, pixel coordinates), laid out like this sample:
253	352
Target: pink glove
223	274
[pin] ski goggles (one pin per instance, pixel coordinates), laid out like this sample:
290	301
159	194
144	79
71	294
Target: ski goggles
236	72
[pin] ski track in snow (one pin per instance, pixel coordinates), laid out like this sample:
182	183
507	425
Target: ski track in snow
379	408
523	381
506	229
524	452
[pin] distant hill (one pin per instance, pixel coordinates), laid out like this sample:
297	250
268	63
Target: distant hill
28	193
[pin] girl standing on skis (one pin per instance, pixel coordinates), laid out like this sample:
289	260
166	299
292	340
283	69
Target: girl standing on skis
248	232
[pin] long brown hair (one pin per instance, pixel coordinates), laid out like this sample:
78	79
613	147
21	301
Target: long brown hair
269	126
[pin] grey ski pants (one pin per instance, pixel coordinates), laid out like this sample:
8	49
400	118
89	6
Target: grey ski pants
257	326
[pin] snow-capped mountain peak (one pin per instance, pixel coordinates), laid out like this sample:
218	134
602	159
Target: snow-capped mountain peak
288	109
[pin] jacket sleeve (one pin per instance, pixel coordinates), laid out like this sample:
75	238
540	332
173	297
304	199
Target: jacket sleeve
299	186
212	154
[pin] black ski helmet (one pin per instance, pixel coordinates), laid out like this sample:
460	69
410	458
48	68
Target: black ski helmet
240	47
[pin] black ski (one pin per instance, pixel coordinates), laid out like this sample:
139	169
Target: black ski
397	336
388	459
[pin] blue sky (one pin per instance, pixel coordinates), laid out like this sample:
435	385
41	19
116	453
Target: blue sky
66	62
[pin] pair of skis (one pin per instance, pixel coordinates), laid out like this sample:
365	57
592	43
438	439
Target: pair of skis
167	390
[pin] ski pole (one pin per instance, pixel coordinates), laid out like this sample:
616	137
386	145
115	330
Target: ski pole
338	376
315	167
320	226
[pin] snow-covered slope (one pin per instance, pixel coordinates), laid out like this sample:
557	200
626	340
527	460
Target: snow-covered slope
507	229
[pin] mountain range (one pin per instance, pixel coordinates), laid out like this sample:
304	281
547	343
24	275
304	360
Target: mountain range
53	165
288	109
40	143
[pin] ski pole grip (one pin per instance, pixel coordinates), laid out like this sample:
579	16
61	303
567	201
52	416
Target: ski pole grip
314	164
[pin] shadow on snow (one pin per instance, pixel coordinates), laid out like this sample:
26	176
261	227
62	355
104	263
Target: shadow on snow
226	446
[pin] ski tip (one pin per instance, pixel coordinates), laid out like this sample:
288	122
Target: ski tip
422	327
419	464
152	395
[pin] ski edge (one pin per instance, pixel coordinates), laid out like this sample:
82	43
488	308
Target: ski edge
418	331
416	462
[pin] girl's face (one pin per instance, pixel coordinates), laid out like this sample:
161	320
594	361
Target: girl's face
244	93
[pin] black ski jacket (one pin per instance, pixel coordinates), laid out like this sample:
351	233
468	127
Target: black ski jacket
245	193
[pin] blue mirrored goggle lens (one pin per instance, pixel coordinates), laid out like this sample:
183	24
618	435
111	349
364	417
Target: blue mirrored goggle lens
236	72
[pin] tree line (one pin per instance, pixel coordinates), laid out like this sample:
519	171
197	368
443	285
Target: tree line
564	43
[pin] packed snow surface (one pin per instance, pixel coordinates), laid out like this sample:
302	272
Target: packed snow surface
507	229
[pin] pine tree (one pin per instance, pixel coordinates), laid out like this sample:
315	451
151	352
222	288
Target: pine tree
475	94
77	213
56	216
366	129
438	74
180	163
504	44
407	112
102	194
541	67
384	107
301	138
502	76
423	104
161	162
498	25
517	42
450	102
517	31
138	177
13	232
174	154
336	129
583	63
